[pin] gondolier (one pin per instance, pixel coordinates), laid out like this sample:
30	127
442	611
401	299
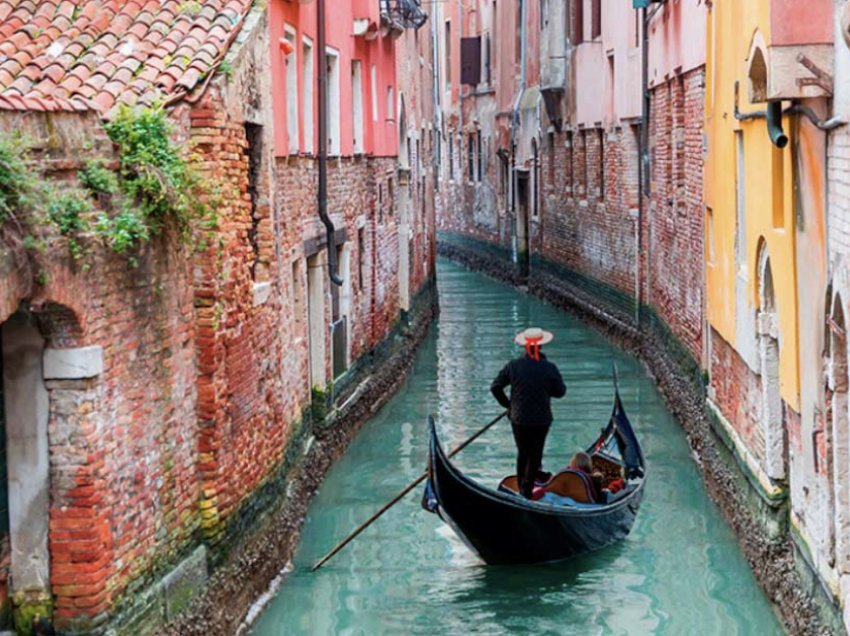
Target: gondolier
534	380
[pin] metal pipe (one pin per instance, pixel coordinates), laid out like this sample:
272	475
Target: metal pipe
822	124
774	125
643	158
323	142
759	114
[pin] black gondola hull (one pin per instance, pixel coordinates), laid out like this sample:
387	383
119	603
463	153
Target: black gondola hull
503	529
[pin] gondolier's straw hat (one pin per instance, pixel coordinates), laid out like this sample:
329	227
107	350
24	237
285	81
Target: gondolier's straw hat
534	335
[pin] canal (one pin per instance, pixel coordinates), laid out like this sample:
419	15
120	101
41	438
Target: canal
680	571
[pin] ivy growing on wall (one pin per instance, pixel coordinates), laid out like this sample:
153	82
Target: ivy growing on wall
153	187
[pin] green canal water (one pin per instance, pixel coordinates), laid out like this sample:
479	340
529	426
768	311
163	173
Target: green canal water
679	572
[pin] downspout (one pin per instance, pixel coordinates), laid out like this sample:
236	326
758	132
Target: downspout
643	162
323	142
515	123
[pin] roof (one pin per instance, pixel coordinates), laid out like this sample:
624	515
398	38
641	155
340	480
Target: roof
97	54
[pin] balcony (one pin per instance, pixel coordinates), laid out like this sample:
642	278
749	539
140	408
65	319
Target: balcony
403	14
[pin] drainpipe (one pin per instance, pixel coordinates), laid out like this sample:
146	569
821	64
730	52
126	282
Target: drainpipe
323	142
643	162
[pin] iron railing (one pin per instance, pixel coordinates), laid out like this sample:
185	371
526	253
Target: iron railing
407	13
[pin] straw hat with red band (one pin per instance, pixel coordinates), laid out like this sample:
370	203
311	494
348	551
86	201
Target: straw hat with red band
534	336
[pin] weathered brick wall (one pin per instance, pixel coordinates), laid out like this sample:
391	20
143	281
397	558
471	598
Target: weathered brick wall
205	346
675	224
588	225
123	481
737	392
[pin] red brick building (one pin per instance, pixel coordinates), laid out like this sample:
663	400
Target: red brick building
151	398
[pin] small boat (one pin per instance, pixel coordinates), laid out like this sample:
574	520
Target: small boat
502	527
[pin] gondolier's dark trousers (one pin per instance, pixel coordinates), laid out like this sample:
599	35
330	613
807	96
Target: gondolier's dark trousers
530	441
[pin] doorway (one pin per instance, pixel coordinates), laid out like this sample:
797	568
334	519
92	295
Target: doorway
523	200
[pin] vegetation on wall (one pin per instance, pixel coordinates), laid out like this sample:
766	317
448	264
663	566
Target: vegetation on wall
152	188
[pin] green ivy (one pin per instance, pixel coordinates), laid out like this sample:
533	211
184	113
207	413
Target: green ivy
97	178
153	188
67	211
16	180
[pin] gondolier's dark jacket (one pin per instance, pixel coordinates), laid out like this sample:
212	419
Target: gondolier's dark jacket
533	383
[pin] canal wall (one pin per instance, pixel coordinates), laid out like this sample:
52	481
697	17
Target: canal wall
260	552
757	512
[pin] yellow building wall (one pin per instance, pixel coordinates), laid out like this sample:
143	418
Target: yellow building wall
769	203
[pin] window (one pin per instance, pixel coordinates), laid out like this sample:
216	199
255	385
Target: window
601	174
571	189
361	257
254	151
551	167
332	61
471	158
480	157
291	70
448	55
390	104
596	19
307	93
488	70
611	88
577	30
374	93
357	97
535	180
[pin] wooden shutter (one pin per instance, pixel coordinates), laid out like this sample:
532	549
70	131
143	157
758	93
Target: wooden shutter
470	60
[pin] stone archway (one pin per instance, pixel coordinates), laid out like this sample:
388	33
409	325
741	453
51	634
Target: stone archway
837	384
772	416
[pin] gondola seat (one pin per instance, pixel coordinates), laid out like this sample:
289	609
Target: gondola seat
573	484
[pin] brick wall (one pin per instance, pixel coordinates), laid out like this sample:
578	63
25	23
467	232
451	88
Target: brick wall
586	222
205	346
737	391
675	224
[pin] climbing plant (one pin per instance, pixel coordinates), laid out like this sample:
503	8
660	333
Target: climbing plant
153	186
158	183
16	181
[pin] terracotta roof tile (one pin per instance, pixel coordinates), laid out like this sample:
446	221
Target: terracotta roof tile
95	54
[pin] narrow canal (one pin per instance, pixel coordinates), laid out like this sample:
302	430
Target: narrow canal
680	571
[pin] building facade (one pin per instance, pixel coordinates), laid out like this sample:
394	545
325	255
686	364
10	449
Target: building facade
159	375
676	172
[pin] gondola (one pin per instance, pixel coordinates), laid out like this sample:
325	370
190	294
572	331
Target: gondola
502	527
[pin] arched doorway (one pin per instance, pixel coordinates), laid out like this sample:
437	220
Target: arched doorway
773	424
25	498
837	381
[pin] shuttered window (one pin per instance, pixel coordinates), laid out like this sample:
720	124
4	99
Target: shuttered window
470	60
596	19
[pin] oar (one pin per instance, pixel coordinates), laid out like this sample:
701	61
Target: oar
398	498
